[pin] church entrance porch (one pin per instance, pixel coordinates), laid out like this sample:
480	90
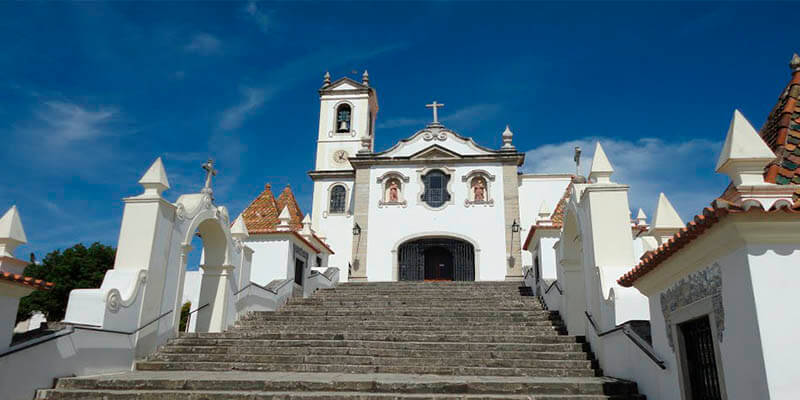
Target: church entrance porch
441	259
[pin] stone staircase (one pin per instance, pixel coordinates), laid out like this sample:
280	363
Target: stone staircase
399	340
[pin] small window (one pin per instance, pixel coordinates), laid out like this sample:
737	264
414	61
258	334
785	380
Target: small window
338	194
343	113
435	194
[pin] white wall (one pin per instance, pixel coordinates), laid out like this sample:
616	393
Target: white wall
484	226
533	190
271	258
337	228
8	314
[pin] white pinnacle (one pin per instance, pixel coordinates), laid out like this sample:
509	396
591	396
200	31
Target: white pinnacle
601	169
641	218
544	211
666	218
744	154
284	218
239	228
11	232
155	179
508	137
307	225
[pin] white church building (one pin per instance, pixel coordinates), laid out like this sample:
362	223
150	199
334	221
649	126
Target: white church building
435	206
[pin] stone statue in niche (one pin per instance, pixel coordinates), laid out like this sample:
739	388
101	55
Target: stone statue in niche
479	189
393	192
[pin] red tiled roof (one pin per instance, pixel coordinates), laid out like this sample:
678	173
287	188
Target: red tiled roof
322	243
781	132
296	235
26	281
718	210
286	199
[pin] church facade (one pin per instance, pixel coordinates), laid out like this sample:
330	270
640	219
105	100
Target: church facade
435	206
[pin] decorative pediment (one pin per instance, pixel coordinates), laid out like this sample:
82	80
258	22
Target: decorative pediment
343	85
435	152
436	142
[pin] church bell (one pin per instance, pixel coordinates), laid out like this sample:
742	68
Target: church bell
344	126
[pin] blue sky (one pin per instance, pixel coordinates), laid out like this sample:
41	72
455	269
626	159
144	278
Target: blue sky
92	93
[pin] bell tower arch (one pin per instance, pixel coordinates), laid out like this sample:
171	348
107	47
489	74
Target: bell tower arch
346	121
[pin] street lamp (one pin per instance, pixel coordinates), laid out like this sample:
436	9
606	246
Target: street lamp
356	230
515	227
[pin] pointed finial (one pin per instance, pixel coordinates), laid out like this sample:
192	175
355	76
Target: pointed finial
327	79
508	136
794	64
307	225
239	229
641	218
601	169
544	212
744	154
666	221
155	179
365	78
11	232
284	219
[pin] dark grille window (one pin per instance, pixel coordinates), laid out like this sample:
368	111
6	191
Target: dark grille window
435	189
701	359
337	199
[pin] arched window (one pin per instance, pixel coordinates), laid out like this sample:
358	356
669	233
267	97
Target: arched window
343	113
338	199
435	194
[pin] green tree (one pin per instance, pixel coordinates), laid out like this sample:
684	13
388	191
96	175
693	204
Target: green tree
77	267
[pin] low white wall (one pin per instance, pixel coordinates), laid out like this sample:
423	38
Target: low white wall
270	258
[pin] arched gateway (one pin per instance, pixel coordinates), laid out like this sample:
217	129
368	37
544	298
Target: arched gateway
441	258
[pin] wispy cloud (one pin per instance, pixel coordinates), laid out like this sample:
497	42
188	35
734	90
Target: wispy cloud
64	123
684	171
204	44
474	113
232	118
261	18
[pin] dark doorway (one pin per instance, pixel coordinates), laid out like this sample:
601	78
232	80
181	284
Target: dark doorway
438	264
436	259
701	360
299	266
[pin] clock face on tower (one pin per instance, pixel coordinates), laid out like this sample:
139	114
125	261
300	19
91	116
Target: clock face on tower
340	157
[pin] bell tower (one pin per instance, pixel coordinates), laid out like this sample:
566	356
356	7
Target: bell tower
346	121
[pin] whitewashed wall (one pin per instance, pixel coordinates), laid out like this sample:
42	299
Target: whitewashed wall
271	258
533	190
483	226
337	228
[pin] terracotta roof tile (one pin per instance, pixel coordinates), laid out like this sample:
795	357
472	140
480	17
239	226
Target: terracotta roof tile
558	213
286	199
26	281
718	210
781	132
261	215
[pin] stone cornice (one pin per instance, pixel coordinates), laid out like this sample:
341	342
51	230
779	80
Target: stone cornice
362	160
331	174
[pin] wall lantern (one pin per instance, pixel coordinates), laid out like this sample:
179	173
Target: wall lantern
515	227
356	230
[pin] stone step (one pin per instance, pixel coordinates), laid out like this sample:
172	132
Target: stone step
384	345
376	352
370	360
363	369
408	311
463	337
532	305
238	395
245	381
303	325
367	327
499	321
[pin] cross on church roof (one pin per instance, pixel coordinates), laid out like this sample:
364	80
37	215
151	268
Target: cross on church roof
435	106
210	171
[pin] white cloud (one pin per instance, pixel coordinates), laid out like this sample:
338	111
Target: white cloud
204	44
684	171
261	18
65	123
252	99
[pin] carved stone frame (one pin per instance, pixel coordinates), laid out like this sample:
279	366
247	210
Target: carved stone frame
447	171
347	193
385	178
487	177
